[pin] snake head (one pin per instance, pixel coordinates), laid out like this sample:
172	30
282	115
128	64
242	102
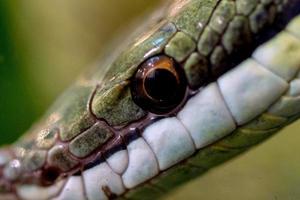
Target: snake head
177	100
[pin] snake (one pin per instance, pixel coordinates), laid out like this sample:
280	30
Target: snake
198	83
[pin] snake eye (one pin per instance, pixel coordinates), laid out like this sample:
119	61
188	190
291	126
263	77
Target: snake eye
159	85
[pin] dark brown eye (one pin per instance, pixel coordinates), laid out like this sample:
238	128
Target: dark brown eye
159	85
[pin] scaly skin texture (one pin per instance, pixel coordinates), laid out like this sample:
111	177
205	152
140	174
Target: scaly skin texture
207	38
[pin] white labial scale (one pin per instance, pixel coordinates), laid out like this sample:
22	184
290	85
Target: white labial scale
118	161
72	190
289	104
281	55
249	89
294	26
206	116
100	178
34	192
294	89
169	141
142	164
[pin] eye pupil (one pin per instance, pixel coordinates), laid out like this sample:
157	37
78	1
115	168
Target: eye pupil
159	85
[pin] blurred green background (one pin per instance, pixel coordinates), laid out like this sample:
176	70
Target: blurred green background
44	45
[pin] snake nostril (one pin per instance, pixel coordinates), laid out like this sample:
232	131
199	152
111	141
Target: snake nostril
49	175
